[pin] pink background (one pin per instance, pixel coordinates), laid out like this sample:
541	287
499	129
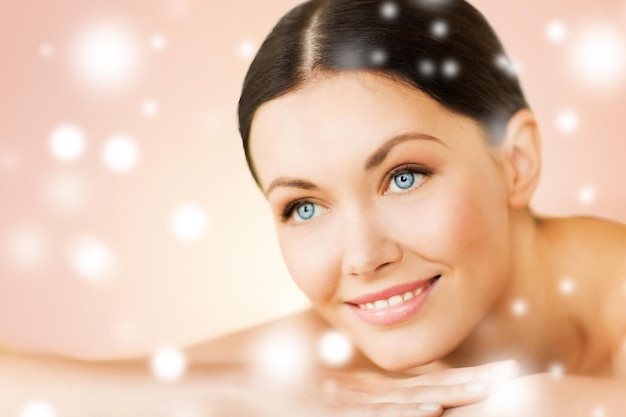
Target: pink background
91	263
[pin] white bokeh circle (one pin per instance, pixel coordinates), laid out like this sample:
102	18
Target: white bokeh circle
120	153
189	222
38	408
168	364
597	56
106	54
92	259
67	143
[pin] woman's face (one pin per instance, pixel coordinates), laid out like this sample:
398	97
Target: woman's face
391	212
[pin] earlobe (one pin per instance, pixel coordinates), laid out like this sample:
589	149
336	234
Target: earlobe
522	158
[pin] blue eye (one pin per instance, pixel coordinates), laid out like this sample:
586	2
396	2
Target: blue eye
305	211
404	180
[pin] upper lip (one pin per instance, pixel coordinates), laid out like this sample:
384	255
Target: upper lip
390	292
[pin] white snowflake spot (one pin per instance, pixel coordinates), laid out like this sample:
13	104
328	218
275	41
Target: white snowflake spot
158	42
505	64
556	31
335	349
597	57
67	143
567	286
106	55
378	57
556	370
168	364
120	153
189	222
519	308
567	121
427	68
389	10
587	195
439	29
92	259
281	356
150	108
450	68
38	409
246	49
598	411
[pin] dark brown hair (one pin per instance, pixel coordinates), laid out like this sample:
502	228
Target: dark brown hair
445	48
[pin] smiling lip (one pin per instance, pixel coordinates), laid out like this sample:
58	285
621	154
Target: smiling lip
393	305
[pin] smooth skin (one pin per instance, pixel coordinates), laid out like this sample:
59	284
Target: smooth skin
390	187
332	159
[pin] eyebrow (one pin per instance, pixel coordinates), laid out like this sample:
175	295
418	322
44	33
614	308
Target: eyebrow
372	162
381	153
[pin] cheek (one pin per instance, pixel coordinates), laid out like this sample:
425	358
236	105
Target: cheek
455	224
312	261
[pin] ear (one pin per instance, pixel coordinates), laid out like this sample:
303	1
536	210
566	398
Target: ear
521	157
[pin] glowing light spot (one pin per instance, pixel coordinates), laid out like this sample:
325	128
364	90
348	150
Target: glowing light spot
598	411
335	348
281	357
439	29
519	308
158	42
378	57
168	364
120	153
27	246
587	195
189	222
427	68
92	259
567	121
510	395
106	55
246	49
556	31
567	286
505	64
389	10
46	50
150	108
597	56
450	68
556	370
67	143
38	409
65	191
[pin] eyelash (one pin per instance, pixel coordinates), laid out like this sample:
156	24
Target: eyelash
405	169
287	212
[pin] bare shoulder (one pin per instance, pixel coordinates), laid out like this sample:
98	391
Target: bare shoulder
597	248
301	331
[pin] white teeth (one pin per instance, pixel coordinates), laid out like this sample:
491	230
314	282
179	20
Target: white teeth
391	301
395	300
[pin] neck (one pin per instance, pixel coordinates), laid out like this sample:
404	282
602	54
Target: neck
525	323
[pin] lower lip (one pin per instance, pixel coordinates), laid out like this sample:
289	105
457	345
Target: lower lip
395	314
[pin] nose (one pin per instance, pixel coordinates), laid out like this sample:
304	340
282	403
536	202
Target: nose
367	246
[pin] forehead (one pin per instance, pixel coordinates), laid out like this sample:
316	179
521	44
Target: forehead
343	118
